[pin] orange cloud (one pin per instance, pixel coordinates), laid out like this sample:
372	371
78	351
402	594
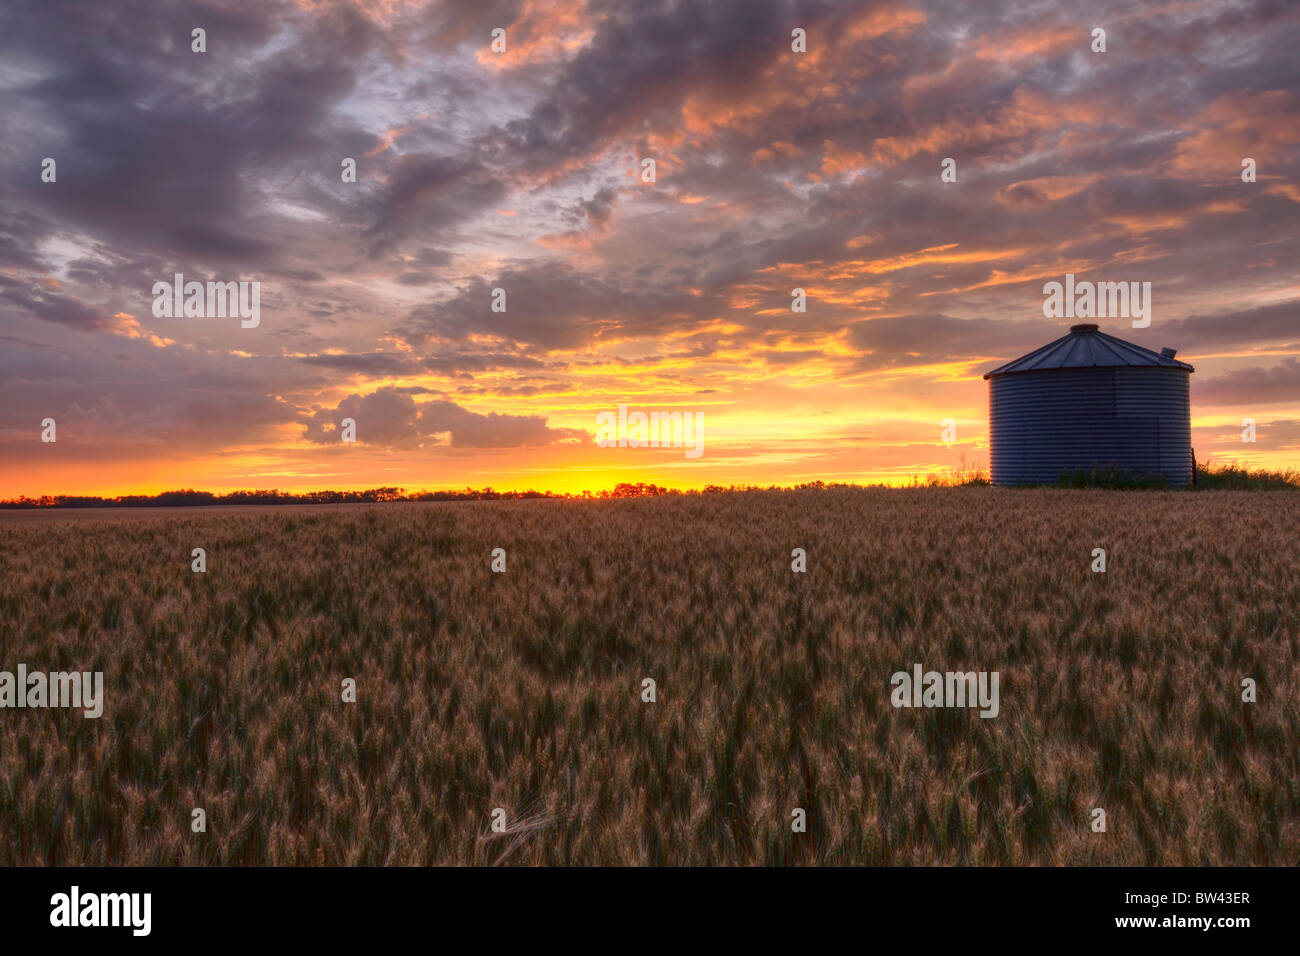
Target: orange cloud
1037	42
882	21
127	327
1027	113
767	154
386	140
837	159
544	30
1045	188
1264	126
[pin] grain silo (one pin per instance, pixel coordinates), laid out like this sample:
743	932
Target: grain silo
1090	401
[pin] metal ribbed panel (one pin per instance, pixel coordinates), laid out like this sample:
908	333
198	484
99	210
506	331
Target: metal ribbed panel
1135	418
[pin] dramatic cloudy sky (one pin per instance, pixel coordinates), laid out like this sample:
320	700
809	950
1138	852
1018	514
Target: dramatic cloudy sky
520	171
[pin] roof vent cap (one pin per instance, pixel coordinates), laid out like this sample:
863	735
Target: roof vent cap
1167	352
1085	327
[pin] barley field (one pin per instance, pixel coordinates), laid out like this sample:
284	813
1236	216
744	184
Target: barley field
522	690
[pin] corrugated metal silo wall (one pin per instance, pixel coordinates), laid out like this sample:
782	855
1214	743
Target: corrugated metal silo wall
1046	422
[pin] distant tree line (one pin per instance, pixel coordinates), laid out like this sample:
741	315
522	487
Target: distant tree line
188	497
1225	476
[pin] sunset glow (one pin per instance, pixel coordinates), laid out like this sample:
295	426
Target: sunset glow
523	171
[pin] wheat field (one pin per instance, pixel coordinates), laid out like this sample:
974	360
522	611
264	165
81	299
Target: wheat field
522	690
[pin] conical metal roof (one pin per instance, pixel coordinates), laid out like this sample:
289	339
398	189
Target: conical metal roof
1088	347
